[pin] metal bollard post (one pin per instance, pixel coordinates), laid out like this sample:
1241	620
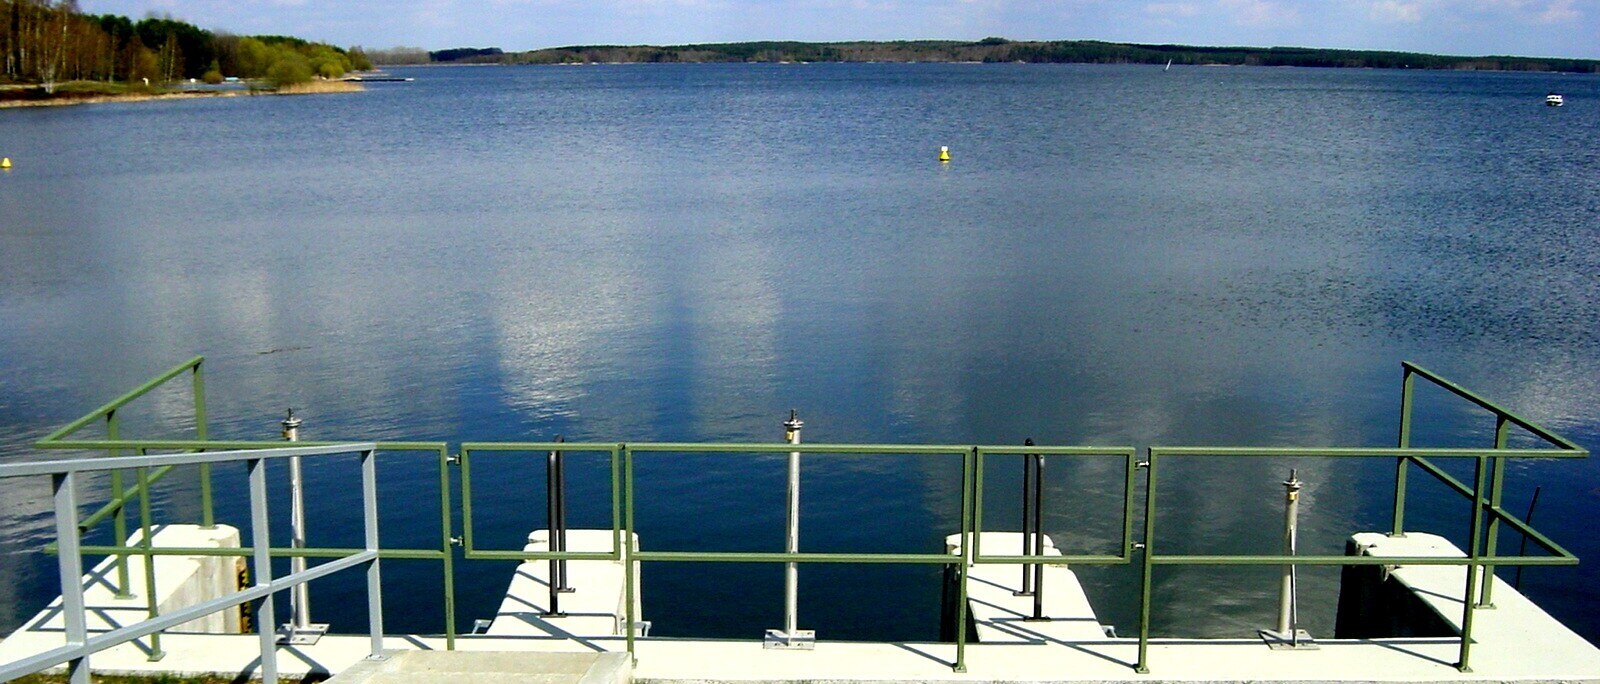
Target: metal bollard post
1027	520
299	630
791	636
1289	636
1038	538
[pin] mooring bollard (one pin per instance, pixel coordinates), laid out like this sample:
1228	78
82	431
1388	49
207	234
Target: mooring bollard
1289	636
791	636
299	630
556	513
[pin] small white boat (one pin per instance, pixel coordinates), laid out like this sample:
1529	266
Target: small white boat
1554	100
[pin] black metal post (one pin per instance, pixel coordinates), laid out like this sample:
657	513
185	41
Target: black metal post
561	519
1523	550
1027	518
1038	536
553	519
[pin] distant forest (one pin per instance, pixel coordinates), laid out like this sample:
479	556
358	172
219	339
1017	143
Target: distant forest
988	50
45	42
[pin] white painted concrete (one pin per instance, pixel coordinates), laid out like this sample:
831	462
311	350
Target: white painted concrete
181	581
451	667
596	609
1516	642
1001	616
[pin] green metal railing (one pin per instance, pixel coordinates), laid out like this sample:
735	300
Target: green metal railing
1485	495
1483	503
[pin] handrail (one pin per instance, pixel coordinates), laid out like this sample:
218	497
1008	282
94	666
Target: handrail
1490	406
80	646
121	401
1484	495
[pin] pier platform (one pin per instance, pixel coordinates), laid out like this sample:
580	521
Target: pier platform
1515	642
596	606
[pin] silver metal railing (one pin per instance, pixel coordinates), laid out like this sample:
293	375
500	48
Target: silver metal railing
80	645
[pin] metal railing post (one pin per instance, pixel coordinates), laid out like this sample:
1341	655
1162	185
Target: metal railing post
628	578
119	523
369	505
791	636
1038	538
147	541
447	547
1497	481
1469	609
70	566
560	540
1401	462
1143	665
208	517
1027	519
260	540
969	535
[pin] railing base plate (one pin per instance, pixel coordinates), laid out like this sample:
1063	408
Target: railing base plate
1300	640
800	640
289	635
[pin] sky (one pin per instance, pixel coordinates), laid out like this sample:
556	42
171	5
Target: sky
1546	28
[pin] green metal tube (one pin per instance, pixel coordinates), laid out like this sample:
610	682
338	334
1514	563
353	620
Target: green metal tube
147	541
119	502
119	525
1199	559
1130	464
114	404
1490	406
1497	481
977	505
1086	559
968	541
1398	528
447	549
616	502
466	500
628	564
208	516
1143	665
246	552
1469	608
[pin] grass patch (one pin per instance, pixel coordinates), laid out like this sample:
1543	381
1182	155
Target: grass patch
77	90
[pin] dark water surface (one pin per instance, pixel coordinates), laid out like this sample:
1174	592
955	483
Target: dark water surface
1117	255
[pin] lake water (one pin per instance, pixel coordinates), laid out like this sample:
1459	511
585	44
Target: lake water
1116	255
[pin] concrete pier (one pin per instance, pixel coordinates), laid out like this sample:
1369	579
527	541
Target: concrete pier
1515	642
597	606
180	581
1001	616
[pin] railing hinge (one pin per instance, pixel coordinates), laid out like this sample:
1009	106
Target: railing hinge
457	541
453	458
1138	546
1142	464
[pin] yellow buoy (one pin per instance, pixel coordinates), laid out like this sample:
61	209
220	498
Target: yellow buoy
944	154
5	163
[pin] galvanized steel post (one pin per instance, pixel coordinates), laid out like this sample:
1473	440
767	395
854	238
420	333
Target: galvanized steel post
119	524
791	636
299	630
70	567
1289	635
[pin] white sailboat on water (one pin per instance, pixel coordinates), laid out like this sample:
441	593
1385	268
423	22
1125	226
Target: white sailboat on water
1169	66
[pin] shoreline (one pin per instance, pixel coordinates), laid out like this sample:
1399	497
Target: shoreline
313	88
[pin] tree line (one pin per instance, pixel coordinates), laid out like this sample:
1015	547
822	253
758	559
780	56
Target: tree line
51	41
997	49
